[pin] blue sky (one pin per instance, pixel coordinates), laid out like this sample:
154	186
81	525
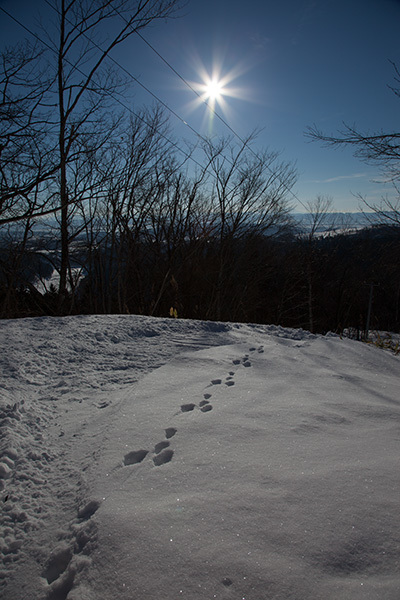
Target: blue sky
296	63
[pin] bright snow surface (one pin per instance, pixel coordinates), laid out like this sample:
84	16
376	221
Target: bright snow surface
155	459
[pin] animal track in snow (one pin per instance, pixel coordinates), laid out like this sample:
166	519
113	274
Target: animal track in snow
229	380
260	349
205	406
216	381
160	446
164	457
244	361
162	452
135	456
207	396
170	432
187	407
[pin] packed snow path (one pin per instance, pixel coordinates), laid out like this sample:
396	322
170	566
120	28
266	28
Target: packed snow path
145	458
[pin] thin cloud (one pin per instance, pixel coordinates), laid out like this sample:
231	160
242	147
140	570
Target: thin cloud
339	178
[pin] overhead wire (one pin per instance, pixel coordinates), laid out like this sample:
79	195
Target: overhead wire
172	143
128	108
159	100
210	108
136	80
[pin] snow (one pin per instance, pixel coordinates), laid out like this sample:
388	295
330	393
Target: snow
146	458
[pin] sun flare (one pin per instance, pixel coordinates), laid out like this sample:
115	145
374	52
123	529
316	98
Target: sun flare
214	90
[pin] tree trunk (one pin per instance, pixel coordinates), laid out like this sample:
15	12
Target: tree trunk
64	260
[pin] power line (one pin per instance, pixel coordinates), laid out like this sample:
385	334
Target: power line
244	142
174	144
177	116
210	108
128	108
136	80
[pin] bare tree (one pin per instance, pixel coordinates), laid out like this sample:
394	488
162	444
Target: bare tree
250	197
50	125
251	188
84	87
27	157
181	223
386	211
132	171
381	149
319	210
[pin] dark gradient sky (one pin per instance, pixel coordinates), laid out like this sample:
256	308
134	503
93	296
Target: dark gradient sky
295	63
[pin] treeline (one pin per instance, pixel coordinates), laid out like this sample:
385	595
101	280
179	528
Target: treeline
102	196
280	277
145	235
177	268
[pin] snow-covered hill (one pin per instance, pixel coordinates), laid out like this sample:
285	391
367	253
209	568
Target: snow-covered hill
149	459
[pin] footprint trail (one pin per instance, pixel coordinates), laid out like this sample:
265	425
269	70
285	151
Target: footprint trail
72	555
162	452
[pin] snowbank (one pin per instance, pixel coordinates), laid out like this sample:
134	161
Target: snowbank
150	458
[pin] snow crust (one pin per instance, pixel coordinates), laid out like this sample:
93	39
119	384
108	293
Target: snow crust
145	458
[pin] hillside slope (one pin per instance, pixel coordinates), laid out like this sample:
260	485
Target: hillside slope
150	458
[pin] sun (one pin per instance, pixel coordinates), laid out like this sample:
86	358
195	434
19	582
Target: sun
214	90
